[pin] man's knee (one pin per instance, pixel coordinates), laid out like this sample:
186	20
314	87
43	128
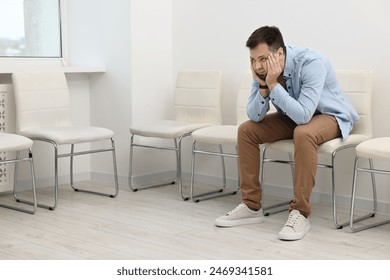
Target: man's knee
302	134
244	128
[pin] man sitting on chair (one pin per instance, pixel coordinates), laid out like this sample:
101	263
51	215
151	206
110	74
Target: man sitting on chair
311	109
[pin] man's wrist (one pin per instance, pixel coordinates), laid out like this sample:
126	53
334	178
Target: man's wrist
264	91
263	86
272	85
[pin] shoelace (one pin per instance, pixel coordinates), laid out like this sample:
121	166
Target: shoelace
292	219
238	207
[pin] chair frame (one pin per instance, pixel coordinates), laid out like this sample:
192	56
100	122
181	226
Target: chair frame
17	160
176	148
219	192
71	155
372	172
285	205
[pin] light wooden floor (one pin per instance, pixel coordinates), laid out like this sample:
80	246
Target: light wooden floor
155	224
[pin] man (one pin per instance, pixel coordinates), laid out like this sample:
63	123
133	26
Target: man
311	109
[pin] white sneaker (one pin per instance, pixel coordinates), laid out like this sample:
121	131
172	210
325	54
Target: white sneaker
296	227
241	215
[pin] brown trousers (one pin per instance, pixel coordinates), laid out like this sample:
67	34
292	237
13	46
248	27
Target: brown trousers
274	127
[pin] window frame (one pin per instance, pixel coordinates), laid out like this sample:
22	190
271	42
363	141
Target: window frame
33	62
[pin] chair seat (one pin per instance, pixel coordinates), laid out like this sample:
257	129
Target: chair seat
70	134
325	148
217	134
12	142
165	128
378	148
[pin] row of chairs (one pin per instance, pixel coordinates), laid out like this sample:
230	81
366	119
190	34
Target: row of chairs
43	114
198	114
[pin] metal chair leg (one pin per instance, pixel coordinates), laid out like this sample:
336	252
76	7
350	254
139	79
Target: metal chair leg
71	154
33	186
55	181
178	179
284	205
354	220
215	193
116	185
134	188
278	207
334	199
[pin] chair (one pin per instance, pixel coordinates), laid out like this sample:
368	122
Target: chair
197	104
43	113
373	149
221	135
357	87
12	143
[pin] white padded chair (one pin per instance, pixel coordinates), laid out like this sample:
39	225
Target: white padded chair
357	86
43	113
11	144
377	149
197	104
221	135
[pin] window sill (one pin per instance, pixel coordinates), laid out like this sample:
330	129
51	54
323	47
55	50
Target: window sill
9	66
67	69
84	69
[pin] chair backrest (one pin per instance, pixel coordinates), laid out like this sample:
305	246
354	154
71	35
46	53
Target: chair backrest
41	100
242	98
357	86
198	96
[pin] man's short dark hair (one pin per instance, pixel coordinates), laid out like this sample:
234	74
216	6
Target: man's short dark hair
270	35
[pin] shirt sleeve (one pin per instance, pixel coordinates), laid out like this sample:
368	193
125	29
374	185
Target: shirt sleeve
257	106
301	110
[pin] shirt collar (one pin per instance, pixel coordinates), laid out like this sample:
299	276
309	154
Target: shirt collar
288	67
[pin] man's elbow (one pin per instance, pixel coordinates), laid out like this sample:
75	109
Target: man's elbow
256	118
303	119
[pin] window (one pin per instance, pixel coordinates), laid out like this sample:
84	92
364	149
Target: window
31	28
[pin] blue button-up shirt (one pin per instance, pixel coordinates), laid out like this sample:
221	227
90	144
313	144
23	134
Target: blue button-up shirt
312	87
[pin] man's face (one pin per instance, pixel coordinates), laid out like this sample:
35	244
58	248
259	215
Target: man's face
259	56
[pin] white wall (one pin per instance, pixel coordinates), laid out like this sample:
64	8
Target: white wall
143	43
151	76
133	40
353	34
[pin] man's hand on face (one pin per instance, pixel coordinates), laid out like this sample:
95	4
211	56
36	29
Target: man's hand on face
274	70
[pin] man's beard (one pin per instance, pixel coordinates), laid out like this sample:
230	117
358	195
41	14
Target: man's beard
262	76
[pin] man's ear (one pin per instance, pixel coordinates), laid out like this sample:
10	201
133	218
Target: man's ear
281	57
280	52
